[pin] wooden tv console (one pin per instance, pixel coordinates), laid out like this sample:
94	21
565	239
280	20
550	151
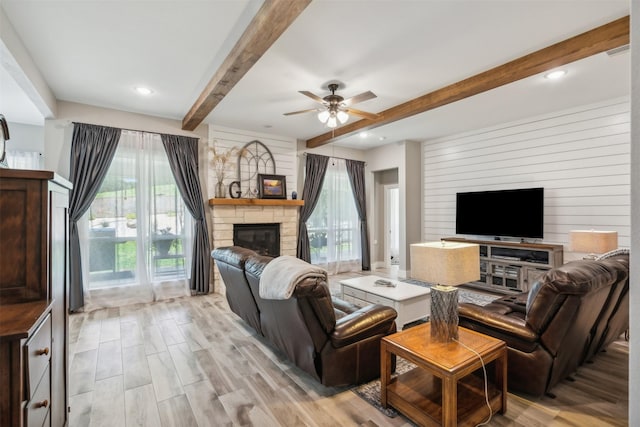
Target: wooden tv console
511	267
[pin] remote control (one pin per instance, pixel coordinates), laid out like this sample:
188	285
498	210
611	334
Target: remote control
382	282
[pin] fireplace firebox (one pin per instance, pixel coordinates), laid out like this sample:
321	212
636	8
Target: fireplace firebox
262	238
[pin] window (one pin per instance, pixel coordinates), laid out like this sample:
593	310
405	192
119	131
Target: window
24	159
138	231
334	225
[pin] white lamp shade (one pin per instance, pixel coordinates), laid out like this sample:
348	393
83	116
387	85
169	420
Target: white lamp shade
445	263
593	241
342	117
332	122
323	116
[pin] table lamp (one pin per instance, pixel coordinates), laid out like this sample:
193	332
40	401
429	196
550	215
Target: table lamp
593	242
446	265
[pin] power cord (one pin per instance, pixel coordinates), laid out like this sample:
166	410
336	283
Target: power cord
486	386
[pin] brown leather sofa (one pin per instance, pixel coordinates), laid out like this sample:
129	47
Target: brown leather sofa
569	315
614	318
334	341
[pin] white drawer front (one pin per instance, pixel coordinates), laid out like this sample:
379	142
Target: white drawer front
356	293
375	299
355	301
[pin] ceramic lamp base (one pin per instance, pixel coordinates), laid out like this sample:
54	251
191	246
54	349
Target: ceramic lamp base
444	313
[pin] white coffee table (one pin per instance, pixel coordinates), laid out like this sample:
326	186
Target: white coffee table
412	302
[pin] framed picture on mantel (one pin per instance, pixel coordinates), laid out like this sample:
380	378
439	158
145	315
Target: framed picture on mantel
272	186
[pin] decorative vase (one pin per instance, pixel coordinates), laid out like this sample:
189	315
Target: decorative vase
220	193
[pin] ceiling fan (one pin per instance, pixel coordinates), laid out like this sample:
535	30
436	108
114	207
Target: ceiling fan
337	108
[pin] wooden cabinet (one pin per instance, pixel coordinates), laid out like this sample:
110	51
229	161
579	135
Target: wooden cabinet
512	267
34	241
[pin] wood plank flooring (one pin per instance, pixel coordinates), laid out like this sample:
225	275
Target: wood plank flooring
190	361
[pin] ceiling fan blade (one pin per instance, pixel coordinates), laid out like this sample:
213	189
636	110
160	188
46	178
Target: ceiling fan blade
301	111
362	113
312	96
359	98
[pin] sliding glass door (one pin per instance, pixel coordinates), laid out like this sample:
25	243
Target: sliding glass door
137	231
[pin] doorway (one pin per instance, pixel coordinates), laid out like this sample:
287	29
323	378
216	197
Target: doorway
391	226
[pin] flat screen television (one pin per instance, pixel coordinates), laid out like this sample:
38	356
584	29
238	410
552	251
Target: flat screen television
503	213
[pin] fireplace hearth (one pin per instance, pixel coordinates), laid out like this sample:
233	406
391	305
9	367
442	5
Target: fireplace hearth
262	238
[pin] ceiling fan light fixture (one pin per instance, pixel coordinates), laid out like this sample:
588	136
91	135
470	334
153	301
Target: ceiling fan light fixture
336	110
323	116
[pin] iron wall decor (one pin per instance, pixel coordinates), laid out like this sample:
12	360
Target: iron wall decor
272	186
254	158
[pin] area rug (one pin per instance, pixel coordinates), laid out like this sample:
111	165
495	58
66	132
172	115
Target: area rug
464	295
370	391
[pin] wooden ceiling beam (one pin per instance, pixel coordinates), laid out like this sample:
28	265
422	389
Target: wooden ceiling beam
271	20
600	39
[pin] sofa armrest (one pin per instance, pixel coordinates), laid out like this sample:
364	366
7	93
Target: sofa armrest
343	308
371	320
496	320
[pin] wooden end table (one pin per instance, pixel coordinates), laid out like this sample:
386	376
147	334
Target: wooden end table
441	390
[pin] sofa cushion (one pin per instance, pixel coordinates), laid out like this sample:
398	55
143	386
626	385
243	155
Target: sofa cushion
342	308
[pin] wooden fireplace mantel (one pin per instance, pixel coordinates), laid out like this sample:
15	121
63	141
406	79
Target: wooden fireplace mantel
255	202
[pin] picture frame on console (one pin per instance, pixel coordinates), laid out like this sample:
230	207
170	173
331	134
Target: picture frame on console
272	186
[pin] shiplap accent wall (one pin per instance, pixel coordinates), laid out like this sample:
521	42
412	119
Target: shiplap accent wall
283	150
580	156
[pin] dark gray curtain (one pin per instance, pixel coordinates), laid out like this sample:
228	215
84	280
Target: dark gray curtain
315	169
355	170
182	152
92	149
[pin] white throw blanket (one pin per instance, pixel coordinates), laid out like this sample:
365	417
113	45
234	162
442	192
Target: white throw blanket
280	277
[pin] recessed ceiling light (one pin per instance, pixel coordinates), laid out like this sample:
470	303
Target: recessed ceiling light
363	134
143	90
555	74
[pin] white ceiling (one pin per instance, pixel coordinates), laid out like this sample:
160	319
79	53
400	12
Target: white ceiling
96	52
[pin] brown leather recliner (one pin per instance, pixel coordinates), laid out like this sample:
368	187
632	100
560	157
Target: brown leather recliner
615	317
549	330
334	341
241	301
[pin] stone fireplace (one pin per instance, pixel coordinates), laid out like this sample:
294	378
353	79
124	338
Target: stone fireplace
226	213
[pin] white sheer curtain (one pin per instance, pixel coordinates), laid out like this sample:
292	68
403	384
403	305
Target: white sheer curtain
334	225
136	238
24	159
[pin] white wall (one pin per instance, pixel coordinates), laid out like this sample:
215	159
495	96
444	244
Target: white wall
25	137
329	150
17	61
58	132
580	157
634	292
283	150
405	157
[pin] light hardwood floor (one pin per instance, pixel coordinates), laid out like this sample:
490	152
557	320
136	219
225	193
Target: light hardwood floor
192	362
